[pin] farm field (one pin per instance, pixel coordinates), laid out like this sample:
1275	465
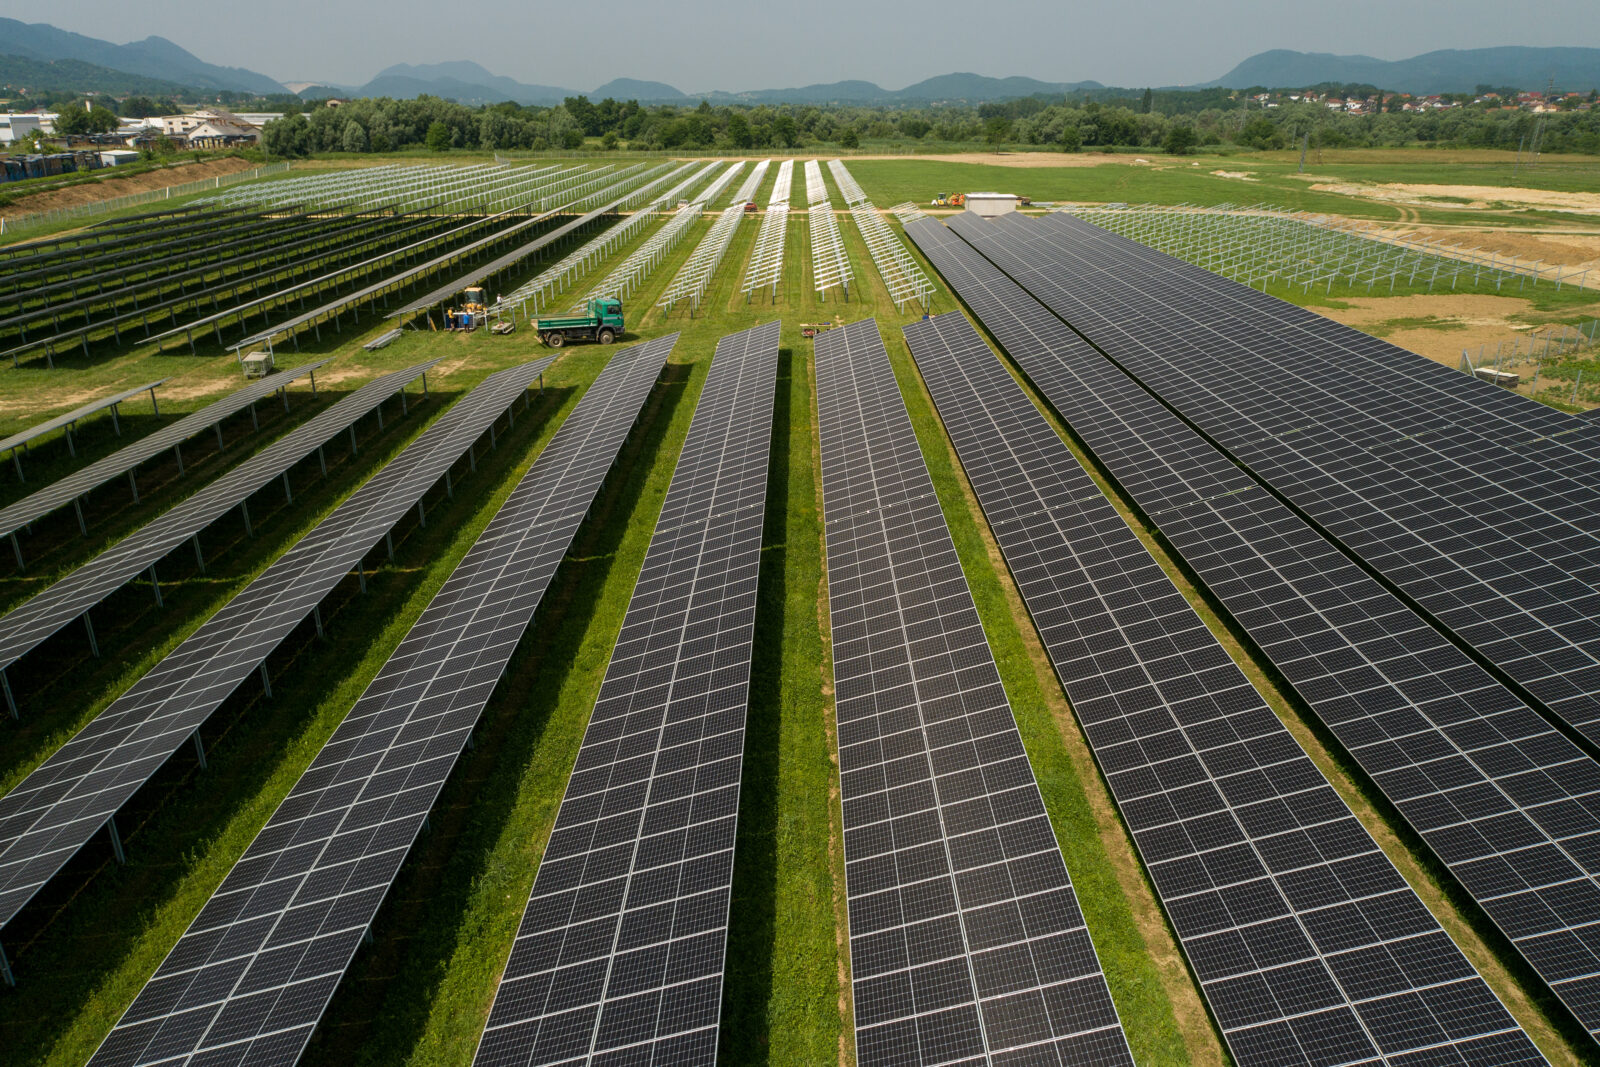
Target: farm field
420	992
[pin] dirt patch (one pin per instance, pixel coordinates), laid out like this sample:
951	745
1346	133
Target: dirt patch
1471	309
111	187
1467	197
1571	249
1237	175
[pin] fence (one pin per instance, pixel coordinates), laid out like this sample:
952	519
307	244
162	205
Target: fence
1261	244
1548	344
18	223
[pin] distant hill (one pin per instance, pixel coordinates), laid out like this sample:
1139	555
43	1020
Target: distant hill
946	88
76	76
469	83
153	57
1449	71
461	80
642	91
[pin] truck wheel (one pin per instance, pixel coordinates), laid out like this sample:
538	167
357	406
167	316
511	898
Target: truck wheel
607	336
555	339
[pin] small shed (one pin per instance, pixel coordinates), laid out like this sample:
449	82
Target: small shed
116	157
989	205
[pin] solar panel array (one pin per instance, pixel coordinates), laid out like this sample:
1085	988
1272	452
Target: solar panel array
1308	944
966	942
1505	802
252	975
21	438
29	509
577	263
1473	511
619	957
30	623
53	812
747	190
697	271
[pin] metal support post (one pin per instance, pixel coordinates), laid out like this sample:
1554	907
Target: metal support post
155	586
88	626
116	841
11	701
316	618
200	751
266	682
244	509
77	505
134	485
199	557
287	492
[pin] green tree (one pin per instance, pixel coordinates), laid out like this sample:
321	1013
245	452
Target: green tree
102	120
438	137
72	121
1181	139
355	137
848	138
289	136
1144	103
608	140
786	131
739	131
140	107
1071	138
996	130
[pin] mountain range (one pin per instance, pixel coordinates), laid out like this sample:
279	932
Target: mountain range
1448	71
153	57
469	83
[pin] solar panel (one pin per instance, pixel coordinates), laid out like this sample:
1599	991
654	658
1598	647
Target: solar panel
1504	801
53	812
619	957
71	418
1433	392
1517	581
252	975
1310	947
26	626
35	506
966	942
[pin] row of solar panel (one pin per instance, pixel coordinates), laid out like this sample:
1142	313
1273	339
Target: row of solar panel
1506	802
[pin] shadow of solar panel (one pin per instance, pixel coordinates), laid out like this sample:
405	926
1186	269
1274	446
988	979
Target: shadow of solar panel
1500	547
966	942
1309	946
251	976
29	624
619	957
1506	802
64	491
55	810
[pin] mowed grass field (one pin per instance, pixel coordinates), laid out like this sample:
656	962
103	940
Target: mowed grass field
421	992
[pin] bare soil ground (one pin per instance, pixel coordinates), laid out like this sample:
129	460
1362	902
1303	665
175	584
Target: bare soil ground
110	187
1462	197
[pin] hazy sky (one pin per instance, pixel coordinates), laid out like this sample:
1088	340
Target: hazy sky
700	45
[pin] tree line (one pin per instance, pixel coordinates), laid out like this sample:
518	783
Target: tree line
1170	121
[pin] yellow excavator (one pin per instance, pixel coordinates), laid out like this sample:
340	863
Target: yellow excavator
470	312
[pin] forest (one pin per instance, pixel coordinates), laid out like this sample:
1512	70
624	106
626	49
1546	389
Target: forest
1178	121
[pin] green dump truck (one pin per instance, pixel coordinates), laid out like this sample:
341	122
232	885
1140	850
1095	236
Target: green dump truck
601	320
